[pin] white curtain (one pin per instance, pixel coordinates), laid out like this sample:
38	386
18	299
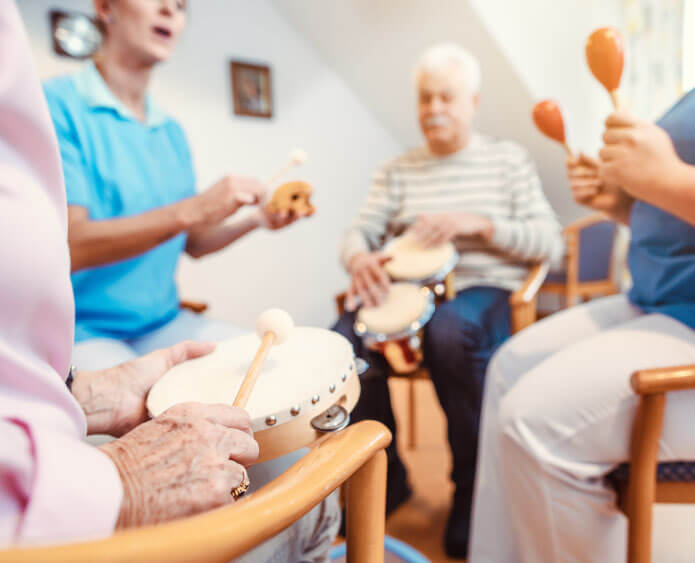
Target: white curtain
652	78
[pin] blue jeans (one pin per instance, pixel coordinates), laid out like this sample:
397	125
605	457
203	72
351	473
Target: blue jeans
458	343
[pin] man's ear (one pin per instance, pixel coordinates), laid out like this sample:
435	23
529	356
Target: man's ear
476	100
103	10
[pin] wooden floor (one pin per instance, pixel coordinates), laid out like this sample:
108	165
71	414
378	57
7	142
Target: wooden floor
421	521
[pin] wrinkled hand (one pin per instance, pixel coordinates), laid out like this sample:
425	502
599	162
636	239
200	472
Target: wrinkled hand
184	461
589	189
222	200
369	282
638	156
114	399
439	228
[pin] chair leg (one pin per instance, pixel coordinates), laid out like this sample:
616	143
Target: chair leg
366	511
642	484
412	415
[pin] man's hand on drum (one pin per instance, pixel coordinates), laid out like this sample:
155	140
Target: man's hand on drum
590	190
222	200
369	281
113	399
439	228
185	461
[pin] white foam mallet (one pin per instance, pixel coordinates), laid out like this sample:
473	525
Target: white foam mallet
296	158
273	327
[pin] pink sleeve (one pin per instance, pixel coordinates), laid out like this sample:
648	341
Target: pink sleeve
53	486
45	497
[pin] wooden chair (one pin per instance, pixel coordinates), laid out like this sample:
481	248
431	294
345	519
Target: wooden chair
523	304
197	307
354	456
588	271
644	481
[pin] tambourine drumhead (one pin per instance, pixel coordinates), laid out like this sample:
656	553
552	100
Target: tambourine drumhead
412	261
312	371
405	303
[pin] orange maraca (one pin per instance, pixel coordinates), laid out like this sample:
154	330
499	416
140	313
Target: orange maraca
548	118
605	53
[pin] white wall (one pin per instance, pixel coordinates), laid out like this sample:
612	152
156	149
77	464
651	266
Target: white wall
544	40
296	269
374	43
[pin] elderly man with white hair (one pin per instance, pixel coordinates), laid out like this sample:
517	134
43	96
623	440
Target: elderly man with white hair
483	194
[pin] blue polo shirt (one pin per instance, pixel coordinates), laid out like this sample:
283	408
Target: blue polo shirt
116	166
662	249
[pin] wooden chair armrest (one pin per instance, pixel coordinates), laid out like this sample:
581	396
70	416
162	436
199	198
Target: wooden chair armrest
226	533
340	303
661	380
195	306
584	222
527	292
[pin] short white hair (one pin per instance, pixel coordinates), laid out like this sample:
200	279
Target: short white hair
442	54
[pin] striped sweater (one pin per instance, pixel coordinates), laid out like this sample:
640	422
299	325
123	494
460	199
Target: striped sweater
489	177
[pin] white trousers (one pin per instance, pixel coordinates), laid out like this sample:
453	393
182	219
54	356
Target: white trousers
557	416
307	541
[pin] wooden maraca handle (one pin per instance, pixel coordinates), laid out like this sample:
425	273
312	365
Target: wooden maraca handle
251	377
615	98
279	174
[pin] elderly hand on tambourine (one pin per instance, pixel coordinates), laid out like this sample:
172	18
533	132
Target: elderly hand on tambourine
186	460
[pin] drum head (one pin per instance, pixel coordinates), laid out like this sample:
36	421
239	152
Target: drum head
405	303
310	363
414	262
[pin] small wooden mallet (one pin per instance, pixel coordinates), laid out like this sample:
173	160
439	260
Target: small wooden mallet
273	327
297	157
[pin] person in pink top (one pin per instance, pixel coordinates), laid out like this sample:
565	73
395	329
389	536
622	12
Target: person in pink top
53	485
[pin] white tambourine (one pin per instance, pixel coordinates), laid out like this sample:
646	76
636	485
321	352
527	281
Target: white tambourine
410	261
308	386
394	327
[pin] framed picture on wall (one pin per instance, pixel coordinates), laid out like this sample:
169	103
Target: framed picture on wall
251	89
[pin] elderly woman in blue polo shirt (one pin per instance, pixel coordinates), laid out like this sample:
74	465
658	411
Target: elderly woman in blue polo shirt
558	408
133	209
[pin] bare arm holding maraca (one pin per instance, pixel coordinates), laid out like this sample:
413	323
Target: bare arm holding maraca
639	156
215	236
98	242
590	190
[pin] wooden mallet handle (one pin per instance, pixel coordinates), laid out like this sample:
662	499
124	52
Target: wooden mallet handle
272	327
254	371
297	156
